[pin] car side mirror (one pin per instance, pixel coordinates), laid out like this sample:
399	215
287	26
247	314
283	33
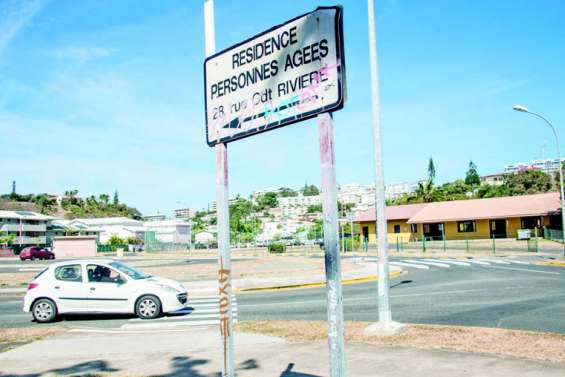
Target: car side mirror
120	281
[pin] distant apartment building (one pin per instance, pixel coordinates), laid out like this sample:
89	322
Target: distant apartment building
294	206
28	227
154	218
184	213
493	179
549	166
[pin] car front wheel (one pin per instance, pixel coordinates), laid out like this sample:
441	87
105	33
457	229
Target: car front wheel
148	307
44	310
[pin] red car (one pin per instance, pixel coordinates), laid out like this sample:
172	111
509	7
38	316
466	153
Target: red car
34	252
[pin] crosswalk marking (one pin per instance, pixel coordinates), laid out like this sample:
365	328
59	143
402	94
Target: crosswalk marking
410	265
474	261
202	311
450	261
492	261
425	262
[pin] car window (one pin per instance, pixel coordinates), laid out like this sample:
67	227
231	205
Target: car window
102	274
130	271
71	272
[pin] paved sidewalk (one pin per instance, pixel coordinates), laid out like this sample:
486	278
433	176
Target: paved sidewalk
196	353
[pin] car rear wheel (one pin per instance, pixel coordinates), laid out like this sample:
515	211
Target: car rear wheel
44	310
148	307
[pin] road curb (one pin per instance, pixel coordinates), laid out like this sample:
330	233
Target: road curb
552	263
317	284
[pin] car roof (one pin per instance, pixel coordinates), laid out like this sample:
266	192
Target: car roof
81	261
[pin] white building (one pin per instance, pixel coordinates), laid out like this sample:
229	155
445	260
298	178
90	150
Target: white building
61	227
122	227
204	238
548	165
29	227
170	231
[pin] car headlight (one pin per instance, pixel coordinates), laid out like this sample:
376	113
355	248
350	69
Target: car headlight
168	288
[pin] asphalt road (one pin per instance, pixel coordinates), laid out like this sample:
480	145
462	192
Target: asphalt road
527	297
517	296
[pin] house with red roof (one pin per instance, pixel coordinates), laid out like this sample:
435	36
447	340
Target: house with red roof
467	219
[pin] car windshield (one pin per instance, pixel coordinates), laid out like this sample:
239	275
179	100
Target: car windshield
130	271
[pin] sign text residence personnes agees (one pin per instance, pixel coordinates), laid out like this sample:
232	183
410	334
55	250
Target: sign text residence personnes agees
286	74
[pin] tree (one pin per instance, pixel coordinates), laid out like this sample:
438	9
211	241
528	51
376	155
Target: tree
104	199
310	190
285	192
431	170
116	199
267	200
316	231
472	178
44	203
116	241
314	208
528	182
6	239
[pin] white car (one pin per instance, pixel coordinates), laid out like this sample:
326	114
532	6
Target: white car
101	286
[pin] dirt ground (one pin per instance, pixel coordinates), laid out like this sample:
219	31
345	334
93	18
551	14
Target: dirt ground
522	344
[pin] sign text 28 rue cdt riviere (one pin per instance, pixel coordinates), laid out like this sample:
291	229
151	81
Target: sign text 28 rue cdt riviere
286	74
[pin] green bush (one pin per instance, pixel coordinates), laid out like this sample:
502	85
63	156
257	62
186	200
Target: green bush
277	248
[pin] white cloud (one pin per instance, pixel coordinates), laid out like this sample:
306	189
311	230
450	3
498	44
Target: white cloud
81	53
14	16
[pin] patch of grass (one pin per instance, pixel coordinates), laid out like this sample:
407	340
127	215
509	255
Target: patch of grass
17	336
515	343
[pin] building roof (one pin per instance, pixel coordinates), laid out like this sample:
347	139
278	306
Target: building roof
24	215
473	209
402	212
111	221
492	208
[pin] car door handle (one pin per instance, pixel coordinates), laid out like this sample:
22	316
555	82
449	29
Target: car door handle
57	287
92	288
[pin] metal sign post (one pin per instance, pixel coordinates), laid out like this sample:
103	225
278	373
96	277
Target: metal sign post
289	73
332	257
222	211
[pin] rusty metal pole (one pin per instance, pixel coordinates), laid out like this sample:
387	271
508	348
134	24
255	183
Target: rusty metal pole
222	213
332	257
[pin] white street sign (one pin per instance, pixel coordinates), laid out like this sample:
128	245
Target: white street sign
286	74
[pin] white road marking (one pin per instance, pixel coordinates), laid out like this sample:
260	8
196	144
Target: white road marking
497	261
520	262
436	264
404	264
450	261
28	269
525	269
478	262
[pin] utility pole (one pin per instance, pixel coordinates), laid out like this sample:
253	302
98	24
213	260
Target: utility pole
385	326
222	212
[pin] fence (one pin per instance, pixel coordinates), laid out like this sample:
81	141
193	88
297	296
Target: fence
468	246
553	235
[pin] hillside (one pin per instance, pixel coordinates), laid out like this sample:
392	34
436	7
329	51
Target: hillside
70	206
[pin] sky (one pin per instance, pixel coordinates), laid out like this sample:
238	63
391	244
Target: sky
107	95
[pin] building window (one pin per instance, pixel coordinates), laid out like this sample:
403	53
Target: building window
414	228
396	228
466	226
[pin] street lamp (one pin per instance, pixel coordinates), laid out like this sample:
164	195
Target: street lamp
524	109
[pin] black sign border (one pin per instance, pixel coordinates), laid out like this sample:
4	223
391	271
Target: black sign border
338	105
